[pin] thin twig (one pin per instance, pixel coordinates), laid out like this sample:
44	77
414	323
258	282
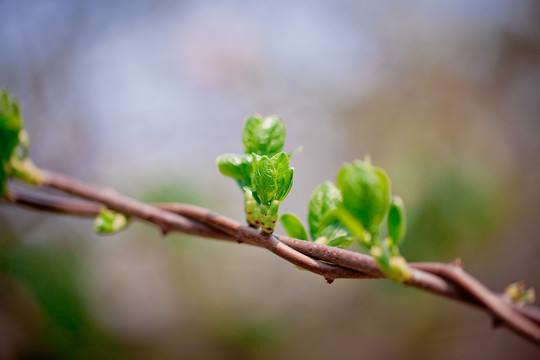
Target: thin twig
443	279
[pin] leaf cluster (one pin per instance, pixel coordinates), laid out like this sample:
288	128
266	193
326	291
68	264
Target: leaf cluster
355	208
263	171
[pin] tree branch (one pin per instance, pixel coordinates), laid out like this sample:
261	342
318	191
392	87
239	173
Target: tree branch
447	280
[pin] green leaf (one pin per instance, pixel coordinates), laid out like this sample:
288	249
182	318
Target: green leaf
264	179
11	125
251	133
264	136
284	174
3	180
396	220
236	166
354	226
335	233
284	183
108	222
323	199
293	226
365	191
280	161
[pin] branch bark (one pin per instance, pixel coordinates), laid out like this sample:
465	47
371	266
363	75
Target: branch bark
448	280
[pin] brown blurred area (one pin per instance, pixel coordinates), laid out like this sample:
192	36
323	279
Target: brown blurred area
143	95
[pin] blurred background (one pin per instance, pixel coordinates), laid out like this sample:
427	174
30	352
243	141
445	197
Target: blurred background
143	96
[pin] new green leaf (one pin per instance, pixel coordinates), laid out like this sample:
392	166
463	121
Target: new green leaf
284	182
293	226
264	136
236	166
284	175
323	199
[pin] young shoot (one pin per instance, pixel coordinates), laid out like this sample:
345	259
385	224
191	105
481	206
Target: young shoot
263	172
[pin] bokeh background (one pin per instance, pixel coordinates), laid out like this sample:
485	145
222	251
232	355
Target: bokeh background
143	95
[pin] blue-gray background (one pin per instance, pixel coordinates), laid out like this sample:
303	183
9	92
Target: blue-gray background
143	95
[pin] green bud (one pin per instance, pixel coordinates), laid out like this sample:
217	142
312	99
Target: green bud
518	293
381	257
269	216
250	208
365	191
399	269
109	222
321	240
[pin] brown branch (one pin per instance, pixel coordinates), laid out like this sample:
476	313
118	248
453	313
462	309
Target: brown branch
443	279
168	221
498	306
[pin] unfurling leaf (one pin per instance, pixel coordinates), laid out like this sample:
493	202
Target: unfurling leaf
324	198
108	222
280	161
264	136
293	226
396	220
365	191
284	182
264	179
